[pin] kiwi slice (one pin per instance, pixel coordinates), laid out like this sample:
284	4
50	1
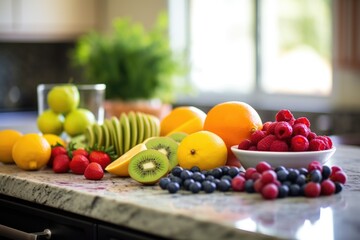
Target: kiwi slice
166	146
178	136
90	135
148	166
79	141
133	129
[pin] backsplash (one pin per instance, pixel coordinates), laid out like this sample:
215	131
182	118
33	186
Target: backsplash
25	65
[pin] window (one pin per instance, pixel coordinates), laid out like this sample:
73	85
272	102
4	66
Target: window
256	51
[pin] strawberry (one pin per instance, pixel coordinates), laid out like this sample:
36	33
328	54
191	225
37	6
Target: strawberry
61	163
94	171
78	164
80	151
56	150
100	157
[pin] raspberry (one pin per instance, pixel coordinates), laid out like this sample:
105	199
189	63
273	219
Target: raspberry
271	128
258	185
279	146
249	172
335	169
238	183
270	191
314	165
312	189
311	136
265	143
339	176
300	129
283	130
326	140
245	144
286	116
262	167
303	120
252	148
257	136
299	143
268	176
327	187
266	125
317	145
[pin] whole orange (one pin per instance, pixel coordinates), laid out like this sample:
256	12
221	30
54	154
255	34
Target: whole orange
8	137
233	121
186	119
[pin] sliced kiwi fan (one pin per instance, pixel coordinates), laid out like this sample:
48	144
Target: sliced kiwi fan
123	132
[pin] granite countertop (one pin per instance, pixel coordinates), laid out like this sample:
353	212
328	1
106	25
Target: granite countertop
184	215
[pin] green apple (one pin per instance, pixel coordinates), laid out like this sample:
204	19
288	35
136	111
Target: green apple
77	121
63	98
50	122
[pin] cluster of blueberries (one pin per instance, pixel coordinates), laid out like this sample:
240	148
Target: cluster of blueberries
195	180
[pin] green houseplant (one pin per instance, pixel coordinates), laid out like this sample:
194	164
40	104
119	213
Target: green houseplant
133	63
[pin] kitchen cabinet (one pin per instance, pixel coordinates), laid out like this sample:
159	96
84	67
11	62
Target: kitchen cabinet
40	20
30	217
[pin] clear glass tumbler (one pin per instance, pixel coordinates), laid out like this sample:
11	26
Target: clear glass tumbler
92	97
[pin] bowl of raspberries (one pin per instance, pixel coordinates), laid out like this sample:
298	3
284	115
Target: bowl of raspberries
287	141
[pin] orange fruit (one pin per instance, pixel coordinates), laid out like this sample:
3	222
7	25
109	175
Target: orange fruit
31	151
203	149
187	119
53	139
234	122
8	137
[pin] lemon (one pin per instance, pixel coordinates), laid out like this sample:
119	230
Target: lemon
8	137
50	122
77	121
53	139
203	149
31	152
63	98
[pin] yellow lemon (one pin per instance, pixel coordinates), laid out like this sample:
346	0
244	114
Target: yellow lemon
8	137
53	139
203	149
50	122
31	152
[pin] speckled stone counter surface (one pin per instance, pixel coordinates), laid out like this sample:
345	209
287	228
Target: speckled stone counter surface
183	215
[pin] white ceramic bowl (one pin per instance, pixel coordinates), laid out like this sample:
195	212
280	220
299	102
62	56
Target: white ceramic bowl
286	159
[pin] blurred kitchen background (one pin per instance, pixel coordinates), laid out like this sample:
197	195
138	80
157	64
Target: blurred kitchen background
303	55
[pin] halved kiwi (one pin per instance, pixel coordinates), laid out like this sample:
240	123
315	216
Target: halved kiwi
178	136
166	146
148	166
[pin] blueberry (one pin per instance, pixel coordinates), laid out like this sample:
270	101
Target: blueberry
185	174
205	172
326	172
176	179
217	173
293	175
198	176
195	169
224	185
288	183
164	182
209	177
338	187
294	190
225	170
176	171
187	183
173	187
283	191
249	186
279	168
303	171
301	180
282	175
226	177
208	186
233	171
216	181
195	187
315	176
